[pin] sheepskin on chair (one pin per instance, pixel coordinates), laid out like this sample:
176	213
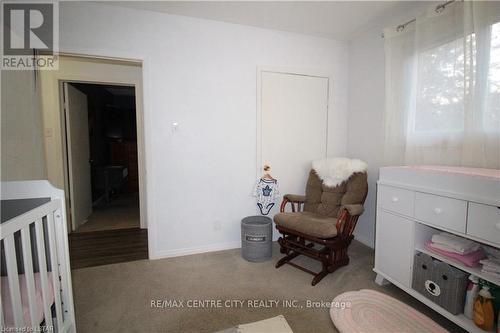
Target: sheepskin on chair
334	171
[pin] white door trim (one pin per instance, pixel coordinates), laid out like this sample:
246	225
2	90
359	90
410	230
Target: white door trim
147	172
290	71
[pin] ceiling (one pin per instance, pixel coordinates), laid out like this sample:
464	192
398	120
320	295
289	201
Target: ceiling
340	20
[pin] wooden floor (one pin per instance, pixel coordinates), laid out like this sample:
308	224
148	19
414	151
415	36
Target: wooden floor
107	247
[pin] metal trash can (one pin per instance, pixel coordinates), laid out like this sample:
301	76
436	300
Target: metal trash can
256	238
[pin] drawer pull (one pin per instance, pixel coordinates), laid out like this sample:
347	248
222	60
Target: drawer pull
395	199
438	211
497	225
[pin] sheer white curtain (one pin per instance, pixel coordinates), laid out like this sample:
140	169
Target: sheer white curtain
443	87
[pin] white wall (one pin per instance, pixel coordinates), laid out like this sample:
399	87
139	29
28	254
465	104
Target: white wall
366	107
22	139
201	74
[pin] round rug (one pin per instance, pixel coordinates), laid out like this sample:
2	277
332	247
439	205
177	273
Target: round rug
370	311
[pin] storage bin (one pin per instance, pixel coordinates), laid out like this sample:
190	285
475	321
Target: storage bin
443	284
256	238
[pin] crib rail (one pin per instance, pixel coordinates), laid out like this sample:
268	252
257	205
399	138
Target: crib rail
21	221
36	293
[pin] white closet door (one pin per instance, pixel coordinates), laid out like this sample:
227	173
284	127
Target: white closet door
294	114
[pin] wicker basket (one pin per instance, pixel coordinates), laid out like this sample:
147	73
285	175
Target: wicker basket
256	238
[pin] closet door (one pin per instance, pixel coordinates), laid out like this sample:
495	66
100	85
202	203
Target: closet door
294	115
394	246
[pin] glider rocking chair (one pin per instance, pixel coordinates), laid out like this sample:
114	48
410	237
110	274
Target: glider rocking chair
325	216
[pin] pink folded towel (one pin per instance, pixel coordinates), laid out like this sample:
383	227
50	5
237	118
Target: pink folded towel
470	259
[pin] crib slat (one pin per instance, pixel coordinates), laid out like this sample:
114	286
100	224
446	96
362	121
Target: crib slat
28	274
13	278
42	263
65	270
54	262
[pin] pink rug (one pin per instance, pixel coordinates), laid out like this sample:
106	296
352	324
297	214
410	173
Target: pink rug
370	311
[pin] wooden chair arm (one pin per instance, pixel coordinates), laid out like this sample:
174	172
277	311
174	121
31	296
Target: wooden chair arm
295	197
347	220
292	199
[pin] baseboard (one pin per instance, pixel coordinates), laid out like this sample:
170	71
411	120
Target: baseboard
365	240
195	250
222	246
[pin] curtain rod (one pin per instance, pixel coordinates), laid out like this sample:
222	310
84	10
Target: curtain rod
439	8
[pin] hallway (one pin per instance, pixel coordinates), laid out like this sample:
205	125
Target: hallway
121	213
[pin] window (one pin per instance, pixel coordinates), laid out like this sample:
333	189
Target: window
447	81
443	87
492	110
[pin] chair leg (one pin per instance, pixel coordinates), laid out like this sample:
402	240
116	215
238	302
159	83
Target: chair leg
332	256
340	258
331	263
281	240
286	259
318	277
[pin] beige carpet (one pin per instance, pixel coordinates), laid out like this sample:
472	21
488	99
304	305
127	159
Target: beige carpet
121	213
117	298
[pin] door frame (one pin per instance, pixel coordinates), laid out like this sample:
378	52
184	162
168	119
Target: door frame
290	71
141	156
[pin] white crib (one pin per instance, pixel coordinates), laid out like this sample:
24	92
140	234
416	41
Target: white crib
36	276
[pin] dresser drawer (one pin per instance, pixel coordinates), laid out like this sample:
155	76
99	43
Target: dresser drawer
441	211
483	221
396	199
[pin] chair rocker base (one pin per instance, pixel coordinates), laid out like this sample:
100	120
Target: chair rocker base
332	254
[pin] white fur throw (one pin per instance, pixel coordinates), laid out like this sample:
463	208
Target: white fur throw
333	171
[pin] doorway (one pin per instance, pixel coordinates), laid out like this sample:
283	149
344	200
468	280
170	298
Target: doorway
101	190
103	178
101	131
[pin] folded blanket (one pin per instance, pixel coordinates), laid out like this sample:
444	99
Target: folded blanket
493	274
492	264
490	270
457	244
470	259
492	252
450	249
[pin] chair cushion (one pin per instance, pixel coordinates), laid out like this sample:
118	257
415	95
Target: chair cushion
308	223
327	201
